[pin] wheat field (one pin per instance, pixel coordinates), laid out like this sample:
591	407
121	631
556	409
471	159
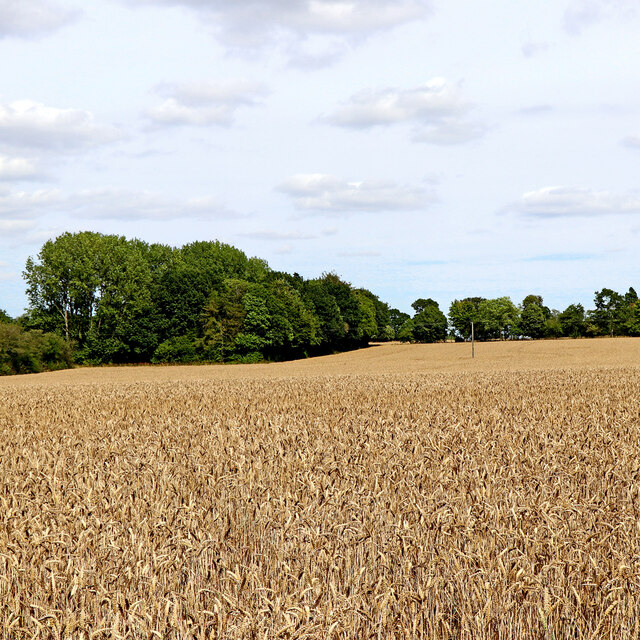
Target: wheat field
401	491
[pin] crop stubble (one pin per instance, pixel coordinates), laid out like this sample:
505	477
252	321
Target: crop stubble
326	500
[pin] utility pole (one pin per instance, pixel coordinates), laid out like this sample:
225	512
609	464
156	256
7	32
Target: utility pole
473	341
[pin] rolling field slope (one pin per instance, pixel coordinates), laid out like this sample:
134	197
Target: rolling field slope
402	491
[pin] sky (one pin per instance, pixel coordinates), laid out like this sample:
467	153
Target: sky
418	148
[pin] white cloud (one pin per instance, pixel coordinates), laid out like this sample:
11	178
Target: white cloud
434	100
23	204
278	235
123	204
15	227
530	49
304	16
15	233
450	131
29	18
17	169
559	202
329	194
632	141
581	14
29	124
437	110
359	254
255	23
203	104
114	204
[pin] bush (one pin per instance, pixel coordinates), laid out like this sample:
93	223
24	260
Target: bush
31	351
180	349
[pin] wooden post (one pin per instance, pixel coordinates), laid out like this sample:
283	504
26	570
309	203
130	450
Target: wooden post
473	341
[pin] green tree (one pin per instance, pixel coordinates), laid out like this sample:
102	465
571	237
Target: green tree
405	333
382	315
573	322
5	317
498	317
429	324
349	307
606	316
123	327
223	317
397	319
462	313
627	316
552	325
368	323
332	329
533	317
95	290
63	284
293	327
194	273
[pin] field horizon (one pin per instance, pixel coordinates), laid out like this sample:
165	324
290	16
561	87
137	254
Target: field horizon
508	355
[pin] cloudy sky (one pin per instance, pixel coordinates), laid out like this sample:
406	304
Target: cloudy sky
416	147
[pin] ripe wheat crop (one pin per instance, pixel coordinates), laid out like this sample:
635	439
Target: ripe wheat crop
398	492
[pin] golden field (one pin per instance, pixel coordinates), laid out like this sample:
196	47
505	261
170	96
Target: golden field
402	491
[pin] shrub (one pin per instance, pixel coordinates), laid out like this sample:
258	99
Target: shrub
180	349
31	351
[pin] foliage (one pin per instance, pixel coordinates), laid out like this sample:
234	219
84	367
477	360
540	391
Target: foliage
573	322
179	349
607	314
397	319
31	351
498	317
428	324
5	318
464	312
535	318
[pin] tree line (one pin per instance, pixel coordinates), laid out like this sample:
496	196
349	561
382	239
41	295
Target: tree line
96	298
614	314
117	300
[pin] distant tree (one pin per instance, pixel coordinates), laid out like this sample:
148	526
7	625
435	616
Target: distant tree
628	314
293	327
63	284
96	291
552	325
195	272
498	317
462	313
429	324
223	317
348	304
382	314
606	315
397	319
332	328
534	316
5	317
405	333
573	322
368	323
